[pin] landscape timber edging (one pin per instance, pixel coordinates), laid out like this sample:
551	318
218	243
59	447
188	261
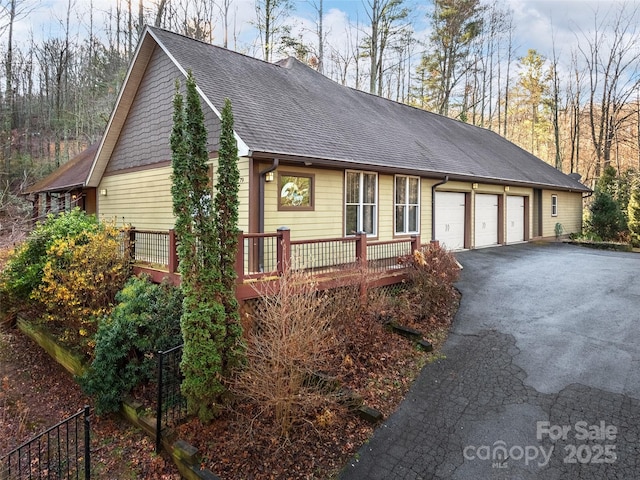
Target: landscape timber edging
71	362
184	455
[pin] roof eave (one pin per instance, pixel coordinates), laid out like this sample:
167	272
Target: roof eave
453	176
60	189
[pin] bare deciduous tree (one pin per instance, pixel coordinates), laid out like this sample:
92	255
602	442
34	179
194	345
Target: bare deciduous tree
612	56
271	18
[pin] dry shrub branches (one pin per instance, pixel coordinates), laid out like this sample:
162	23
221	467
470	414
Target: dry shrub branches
289	343
432	273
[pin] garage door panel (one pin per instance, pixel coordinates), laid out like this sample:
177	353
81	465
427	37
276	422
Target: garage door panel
486	220
450	219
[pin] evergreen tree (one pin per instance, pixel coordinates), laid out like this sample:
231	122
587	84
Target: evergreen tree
607	181
203	317
226	206
633	211
606	221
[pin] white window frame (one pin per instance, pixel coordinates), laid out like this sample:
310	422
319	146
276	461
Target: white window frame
554	205
404	228
361	204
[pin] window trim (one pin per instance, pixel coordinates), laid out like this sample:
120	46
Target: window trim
360	203
407	205
300	208
554	205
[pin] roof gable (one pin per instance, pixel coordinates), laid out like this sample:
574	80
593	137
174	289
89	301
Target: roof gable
144	137
139	128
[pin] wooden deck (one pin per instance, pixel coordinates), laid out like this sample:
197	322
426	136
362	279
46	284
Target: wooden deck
263	257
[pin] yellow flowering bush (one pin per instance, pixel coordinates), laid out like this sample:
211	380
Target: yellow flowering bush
80	281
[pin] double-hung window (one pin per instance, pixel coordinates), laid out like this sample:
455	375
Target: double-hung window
554	205
407	204
361	209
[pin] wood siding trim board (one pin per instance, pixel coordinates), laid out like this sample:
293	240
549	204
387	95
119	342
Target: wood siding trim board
501	219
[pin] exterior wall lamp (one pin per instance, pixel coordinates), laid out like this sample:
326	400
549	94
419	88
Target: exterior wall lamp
103	192
268	177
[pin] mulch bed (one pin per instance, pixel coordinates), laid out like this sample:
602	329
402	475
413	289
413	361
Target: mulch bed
245	443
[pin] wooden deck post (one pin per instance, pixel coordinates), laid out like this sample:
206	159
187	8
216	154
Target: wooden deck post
240	258
173	252
361	257
284	249
131	243
415	243
361	249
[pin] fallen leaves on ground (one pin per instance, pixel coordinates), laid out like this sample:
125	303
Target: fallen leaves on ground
244	443
36	393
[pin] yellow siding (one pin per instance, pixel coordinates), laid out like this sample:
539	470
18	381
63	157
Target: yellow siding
522	191
454	186
425	209
143	198
243	190
243	194
490	189
324	221
569	212
385	207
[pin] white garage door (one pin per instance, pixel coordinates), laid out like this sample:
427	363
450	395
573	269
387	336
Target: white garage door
450	216
515	219
486	220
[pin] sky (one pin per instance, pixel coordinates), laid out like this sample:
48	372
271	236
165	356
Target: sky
539	24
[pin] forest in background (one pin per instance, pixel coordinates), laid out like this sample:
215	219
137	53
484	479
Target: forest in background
56	95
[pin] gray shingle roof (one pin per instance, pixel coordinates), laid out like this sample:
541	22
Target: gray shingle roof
288	108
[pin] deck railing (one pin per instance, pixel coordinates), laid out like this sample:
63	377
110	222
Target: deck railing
262	255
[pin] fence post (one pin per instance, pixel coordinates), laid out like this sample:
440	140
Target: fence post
87	443
159	403
130	243
240	258
415	243
284	249
173	252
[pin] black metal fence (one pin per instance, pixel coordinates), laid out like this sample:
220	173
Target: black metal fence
62	452
171	407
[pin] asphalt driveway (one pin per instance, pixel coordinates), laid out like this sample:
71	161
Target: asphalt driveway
541	378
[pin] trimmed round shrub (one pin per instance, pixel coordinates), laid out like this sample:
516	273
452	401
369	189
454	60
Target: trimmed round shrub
145	320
